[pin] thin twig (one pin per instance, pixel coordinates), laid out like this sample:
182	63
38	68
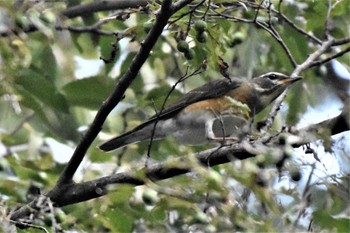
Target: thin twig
106	5
341	41
28	225
308	62
181	79
327	27
267	27
277	36
298	29
190	12
305	195
339	54
88	29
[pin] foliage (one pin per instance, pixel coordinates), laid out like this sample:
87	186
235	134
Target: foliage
47	107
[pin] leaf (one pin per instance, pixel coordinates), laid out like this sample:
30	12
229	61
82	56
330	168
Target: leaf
57	122
47	67
117	220
158	94
106	50
42	89
89	92
323	219
85	45
297	104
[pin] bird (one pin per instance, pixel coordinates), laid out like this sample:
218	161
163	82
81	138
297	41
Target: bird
213	112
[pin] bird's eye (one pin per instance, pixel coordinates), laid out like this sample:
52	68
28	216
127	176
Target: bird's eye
273	76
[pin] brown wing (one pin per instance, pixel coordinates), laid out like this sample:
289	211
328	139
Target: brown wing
209	90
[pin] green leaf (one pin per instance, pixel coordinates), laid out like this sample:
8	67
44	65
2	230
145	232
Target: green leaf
106	50
323	219
44	61
117	220
297	104
58	123
42	89
317	10
88	92
158	94
85	45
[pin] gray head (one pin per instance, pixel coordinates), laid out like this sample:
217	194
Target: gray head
270	85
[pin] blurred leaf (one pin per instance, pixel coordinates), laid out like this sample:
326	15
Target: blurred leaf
297	103
44	61
107	52
26	173
117	220
158	95
59	123
88	92
297	45
85	45
42	89
126	63
316	10
323	219
159	213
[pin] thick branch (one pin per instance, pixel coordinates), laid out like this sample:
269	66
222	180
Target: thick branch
74	193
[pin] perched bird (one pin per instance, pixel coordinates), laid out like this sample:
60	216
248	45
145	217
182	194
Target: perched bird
213	112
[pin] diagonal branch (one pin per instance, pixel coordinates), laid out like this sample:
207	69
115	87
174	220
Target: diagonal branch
339	54
305	65
118	93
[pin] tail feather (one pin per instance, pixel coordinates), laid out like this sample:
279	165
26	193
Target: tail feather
136	135
118	142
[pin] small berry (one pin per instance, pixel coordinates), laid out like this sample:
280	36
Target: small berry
202	37
182	46
189	55
200	26
237	39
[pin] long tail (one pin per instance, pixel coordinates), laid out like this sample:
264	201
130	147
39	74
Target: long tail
119	142
140	133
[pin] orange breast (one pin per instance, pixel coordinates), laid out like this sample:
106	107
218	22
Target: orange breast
216	105
222	104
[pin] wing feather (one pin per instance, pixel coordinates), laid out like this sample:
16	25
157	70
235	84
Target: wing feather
209	90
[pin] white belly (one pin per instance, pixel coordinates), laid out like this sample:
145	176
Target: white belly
190	128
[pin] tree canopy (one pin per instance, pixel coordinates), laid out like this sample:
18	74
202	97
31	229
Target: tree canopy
76	73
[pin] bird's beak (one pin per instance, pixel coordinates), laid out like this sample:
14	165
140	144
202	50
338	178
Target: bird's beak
290	80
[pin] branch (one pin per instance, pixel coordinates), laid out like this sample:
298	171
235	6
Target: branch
305	65
339	54
336	125
74	193
341	41
118	92
308	62
267	27
105	5
88	29
81	10
65	184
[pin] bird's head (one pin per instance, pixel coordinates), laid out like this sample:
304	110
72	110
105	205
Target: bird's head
270	85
